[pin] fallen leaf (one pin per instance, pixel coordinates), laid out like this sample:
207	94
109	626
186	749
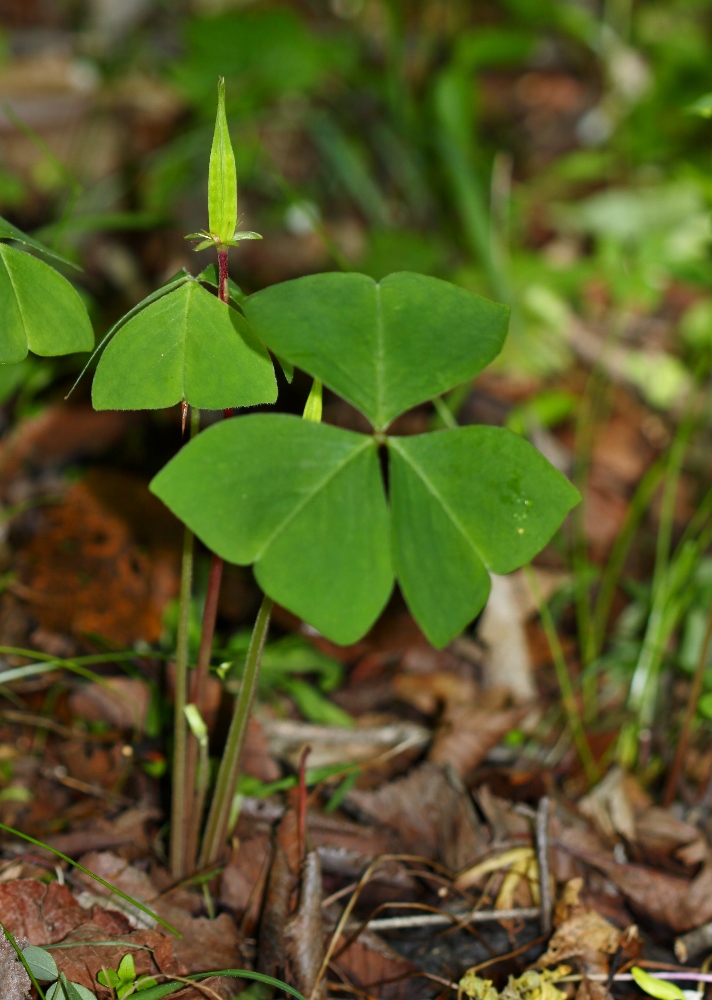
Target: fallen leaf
334	745
430	812
611	804
82	963
304	933
271	951
244	877
466	734
680	903
372	966
661	833
586	936
44	914
82	572
121	701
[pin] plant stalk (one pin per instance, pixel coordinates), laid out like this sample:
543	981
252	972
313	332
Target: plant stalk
198	695
178	802
685	731
568	697
216	828
194	815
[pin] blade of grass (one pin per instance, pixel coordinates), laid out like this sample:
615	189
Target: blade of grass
568	697
18	951
165	989
97	878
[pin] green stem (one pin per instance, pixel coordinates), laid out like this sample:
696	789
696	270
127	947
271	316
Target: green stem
216	828
178	803
568	697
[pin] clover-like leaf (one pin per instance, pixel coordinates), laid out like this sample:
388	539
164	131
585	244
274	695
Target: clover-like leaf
127	970
109	978
302	501
40	311
464	503
40	962
186	345
10	232
384	347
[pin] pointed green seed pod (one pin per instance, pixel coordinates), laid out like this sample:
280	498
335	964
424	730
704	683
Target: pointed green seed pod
222	177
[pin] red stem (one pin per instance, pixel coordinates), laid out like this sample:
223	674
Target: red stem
302	805
223	288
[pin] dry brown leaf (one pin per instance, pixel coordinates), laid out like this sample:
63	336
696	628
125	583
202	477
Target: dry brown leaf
304	933
429	814
427	692
466	734
659	832
243	878
335	745
612	804
680	903
372	966
121	701
586	936
44	914
82	963
83	572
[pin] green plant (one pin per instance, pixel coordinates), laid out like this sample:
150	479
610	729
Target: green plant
42	968
41	311
305	502
124	979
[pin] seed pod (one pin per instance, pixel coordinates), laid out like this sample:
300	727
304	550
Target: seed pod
222	177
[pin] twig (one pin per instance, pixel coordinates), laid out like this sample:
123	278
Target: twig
440	919
343	919
542	854
302	805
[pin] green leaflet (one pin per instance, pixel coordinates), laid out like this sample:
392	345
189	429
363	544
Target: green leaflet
303	501
41	963
189	345
10	232
464	503
222	177
384	347
306	504
40	311
661	989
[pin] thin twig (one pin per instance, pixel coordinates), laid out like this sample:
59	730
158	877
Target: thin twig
441	919
542	854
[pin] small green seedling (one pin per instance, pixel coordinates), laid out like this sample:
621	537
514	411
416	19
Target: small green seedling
661	989
124	978
40	311
43	968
